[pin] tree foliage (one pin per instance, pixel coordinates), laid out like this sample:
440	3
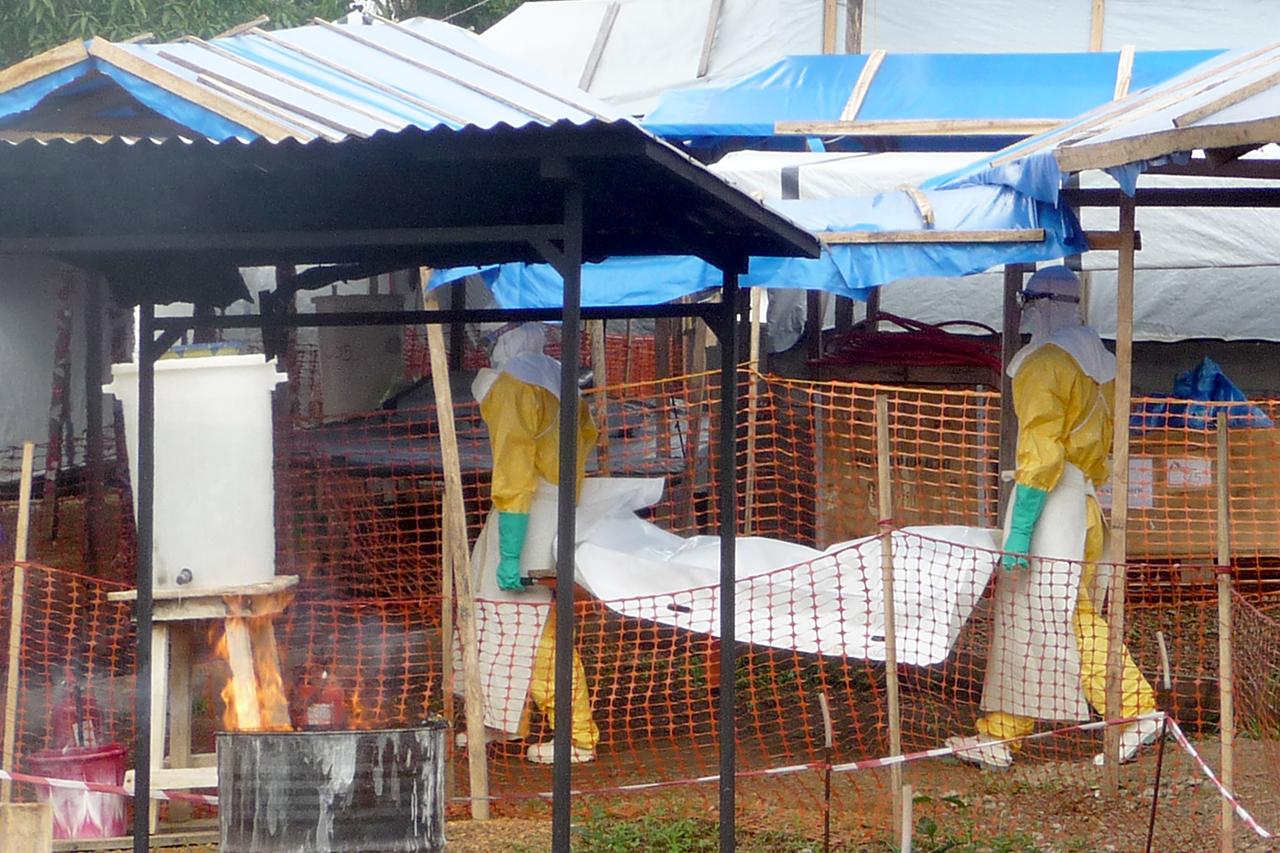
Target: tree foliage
28	27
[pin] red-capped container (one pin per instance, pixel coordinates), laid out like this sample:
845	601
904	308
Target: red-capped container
83	814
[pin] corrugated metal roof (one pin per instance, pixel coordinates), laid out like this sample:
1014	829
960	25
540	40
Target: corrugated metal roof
325	80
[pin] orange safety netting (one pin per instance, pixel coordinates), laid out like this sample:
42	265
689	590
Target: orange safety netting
359	514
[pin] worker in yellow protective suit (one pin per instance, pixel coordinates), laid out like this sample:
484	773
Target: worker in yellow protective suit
520	402
1048	658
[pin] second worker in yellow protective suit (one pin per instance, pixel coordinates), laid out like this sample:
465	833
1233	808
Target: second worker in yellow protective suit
1048	657
520	402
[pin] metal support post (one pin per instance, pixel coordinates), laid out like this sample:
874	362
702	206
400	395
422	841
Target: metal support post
143	608
570	344
727	456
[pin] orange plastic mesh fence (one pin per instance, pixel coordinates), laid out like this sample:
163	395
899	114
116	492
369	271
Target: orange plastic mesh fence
1256	668
359	518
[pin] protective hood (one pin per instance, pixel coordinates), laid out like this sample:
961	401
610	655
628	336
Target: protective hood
1078	341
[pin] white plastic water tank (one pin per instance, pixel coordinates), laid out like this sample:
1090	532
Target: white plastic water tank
358	364
214	490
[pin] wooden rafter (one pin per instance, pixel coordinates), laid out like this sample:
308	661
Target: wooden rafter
919	127
860	88
1124	73
43	64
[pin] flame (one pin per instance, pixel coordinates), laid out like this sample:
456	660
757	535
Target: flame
360	717
253	699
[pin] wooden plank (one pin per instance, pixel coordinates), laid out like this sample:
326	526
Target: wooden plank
279	583
862	86
1111	241
239	29
919	127
26	827
853	26
829	14
459	560
178	778
179	710
159	710
1124	72
884	496
1226	671
240	659
42	65
161	840
1139	106
1103	155
1119	506
181	87
266	666
17	602
921	201
1009	235
600	371
1229	99
598	46
708	38
1097	24
1010	343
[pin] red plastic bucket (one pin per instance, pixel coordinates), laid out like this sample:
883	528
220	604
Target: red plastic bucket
83	814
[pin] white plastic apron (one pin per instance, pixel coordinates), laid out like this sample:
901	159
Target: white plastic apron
1034	664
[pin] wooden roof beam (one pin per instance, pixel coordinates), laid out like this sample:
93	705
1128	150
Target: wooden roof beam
918	127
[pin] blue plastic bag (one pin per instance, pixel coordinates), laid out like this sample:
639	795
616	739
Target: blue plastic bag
1183	410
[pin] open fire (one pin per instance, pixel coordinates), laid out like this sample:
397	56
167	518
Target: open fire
254	696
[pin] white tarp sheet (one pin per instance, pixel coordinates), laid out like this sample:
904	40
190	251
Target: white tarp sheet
791	596
1202	273
654	45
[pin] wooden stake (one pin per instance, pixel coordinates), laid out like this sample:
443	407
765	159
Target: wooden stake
18	601
908	818
886	579
753	402
600	369
1120	496
458	561
1226	675
829	11
1097	21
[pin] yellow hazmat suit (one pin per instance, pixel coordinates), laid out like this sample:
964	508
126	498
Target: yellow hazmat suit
523	420
1065	417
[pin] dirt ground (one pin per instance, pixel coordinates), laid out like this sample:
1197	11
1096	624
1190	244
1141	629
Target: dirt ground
1034	807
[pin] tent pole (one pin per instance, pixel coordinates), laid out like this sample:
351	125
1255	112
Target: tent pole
728	487
1226	674
1120	496
571	345
143	608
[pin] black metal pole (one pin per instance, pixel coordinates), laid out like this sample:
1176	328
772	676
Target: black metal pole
146	496
1155	788
570	344
727	455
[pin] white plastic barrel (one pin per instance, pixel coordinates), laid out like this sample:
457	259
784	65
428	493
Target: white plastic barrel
214	491
358	364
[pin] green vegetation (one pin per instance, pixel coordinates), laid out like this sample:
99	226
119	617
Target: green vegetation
675	834
28	27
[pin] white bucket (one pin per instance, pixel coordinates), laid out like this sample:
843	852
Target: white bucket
214	493
358	364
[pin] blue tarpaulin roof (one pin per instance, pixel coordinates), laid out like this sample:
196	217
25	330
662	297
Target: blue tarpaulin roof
851	270
910	86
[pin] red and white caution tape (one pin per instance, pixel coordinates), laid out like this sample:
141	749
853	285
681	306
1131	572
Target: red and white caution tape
77	785
1229	796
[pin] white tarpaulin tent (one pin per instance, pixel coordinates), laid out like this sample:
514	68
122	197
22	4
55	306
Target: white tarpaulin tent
1200	274
629	51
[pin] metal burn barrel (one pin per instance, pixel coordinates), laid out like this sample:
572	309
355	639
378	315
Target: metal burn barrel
344	791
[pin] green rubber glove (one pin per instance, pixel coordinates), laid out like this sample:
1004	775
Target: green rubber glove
1028	503
512	527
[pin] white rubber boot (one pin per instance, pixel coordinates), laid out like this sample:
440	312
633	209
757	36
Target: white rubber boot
491	735
544	753
976	749
1132	738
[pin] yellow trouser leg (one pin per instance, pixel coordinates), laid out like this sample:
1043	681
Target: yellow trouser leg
543	688
1091	629
999	725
